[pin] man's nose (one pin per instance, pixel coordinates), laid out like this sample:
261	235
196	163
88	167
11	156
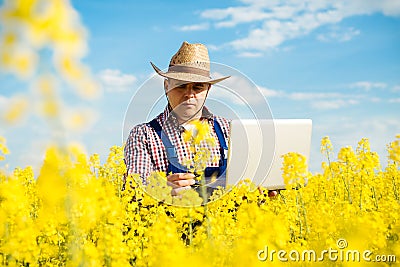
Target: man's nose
189	90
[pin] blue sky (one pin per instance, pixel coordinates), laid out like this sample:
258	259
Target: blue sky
336	62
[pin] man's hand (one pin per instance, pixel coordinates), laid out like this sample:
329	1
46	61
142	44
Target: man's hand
273	193
180	181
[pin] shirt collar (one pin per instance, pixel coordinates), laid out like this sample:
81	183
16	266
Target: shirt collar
170	118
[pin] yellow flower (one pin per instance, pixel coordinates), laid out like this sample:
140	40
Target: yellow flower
79	119
71	216
326	145
294	169
16	109
28	26
48	103
3	148
394	150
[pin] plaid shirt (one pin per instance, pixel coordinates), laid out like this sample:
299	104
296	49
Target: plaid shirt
145	152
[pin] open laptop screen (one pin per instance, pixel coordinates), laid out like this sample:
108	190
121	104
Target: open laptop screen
256	148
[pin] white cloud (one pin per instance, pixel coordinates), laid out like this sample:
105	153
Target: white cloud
313	96
338	35
216	14
3	101
347	131
325	100
328	100
116	81
270	92
212	47
367	86
238	14
396	88
194	27
250	54
238	90
375	99
271	35
333	104
274	22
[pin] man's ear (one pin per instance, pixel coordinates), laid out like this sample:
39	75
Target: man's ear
166	85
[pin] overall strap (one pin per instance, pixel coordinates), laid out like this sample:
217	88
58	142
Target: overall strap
223	147
220	171
223	151
174	166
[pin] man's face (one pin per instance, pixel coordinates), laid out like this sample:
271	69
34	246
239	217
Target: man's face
186	99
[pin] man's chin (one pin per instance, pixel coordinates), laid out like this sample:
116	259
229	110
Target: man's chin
189	115
187	112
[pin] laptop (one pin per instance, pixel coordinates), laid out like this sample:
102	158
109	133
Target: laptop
256	147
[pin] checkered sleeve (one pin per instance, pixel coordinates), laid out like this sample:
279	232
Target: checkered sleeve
136	152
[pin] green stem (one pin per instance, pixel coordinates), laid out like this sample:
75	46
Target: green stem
329	163
190	229
376	200
346	186
395	188
304	213
361	189
203	191
298	214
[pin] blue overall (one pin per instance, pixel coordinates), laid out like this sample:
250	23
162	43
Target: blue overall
175	167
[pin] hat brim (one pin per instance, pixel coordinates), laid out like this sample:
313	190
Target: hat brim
187	77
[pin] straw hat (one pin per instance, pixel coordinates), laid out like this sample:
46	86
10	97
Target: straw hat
190	64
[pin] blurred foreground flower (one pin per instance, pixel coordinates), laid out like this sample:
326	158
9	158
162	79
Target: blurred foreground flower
15	110
30	29
3	148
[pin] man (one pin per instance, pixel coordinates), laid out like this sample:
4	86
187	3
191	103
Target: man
159	145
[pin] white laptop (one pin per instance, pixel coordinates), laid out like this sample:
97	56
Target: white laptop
256	147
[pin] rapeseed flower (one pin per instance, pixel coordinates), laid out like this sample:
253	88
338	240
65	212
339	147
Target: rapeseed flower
75	213
3	148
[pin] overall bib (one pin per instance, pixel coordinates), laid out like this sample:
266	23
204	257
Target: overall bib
175	167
